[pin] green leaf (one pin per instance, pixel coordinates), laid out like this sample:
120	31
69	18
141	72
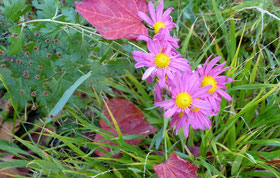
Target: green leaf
11	147
46	9
70	14
67	94
51	30
188	12
16	43
251	87
13	163
13	9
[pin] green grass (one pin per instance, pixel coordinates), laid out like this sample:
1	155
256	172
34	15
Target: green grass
248	40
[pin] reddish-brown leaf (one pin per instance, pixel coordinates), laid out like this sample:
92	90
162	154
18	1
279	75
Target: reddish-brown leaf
114	19
175	167
271	161
195	151
98	138
130	120
12	172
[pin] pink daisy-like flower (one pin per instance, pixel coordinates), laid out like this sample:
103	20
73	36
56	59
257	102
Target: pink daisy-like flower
187	103
160	91
210	76
160	61
158	19
164	35
178	121
158	96
164	38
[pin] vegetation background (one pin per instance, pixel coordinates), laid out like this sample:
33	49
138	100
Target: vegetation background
48	52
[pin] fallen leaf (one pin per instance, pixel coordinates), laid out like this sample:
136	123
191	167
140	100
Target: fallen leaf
271	161
195	151
98	138
6	128
13	171
114	19
130	120
175	167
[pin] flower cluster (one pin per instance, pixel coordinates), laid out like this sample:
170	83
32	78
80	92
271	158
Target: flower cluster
194	95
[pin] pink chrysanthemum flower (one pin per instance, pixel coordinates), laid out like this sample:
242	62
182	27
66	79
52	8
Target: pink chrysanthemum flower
164	38
210	76
158	19
164	35
160	61
187	103
159	92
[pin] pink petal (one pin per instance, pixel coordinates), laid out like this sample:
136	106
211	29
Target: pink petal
143	38
211	64
186	126
215	73
167	12
159	10
144	17
206	63
224	95
138	65
174	121
215	105
148	73
223	79
202	92
170	112
201	104
152	11
165	104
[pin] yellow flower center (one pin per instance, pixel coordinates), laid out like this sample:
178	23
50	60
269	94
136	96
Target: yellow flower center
183	100
209	80
162	60
158	26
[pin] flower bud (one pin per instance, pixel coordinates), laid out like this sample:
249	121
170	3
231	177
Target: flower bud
21	91
26	74
37	77
49	55
18	61
56	41
33	108
3	65
33	93
39	67
45	93
14	35
37	34
27	53
58	54
35	48
47	41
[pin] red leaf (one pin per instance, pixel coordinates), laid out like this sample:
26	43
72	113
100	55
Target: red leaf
195	151
271	161
130	120
114	19
98	138
175	167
